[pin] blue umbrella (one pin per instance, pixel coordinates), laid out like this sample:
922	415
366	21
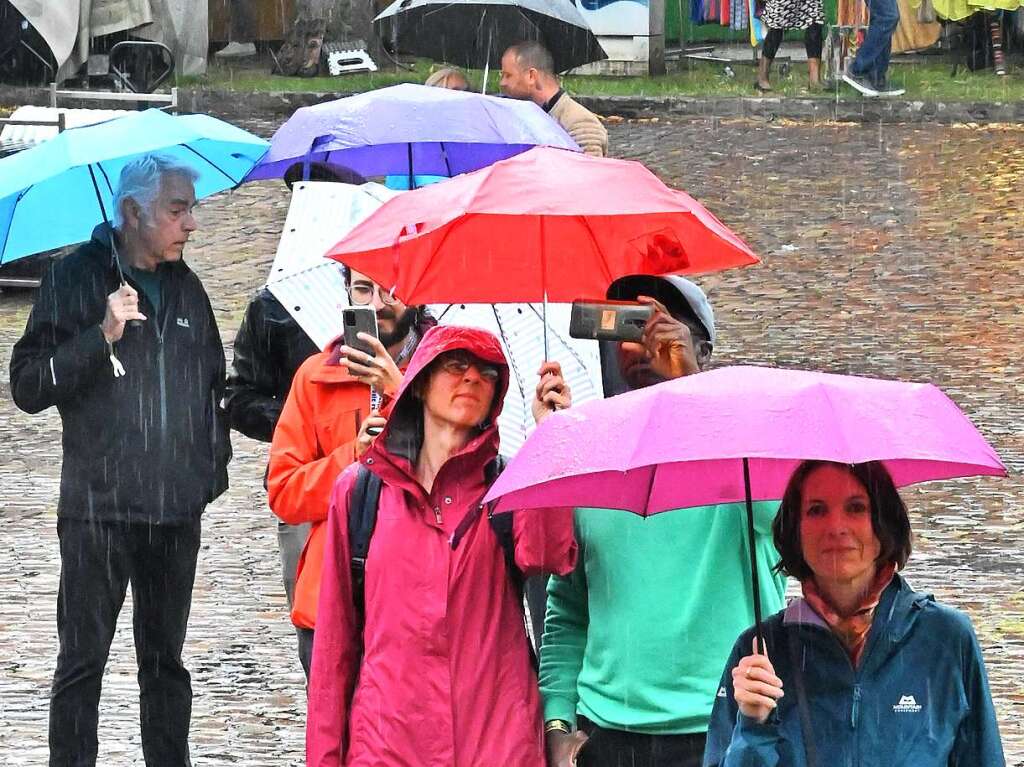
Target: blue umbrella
57	192
411	129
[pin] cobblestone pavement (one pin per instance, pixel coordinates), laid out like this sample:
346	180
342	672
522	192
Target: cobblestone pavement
892	251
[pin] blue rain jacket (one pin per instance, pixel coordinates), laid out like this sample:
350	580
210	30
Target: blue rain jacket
919	699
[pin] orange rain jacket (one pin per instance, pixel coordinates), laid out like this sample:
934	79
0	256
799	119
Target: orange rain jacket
314	441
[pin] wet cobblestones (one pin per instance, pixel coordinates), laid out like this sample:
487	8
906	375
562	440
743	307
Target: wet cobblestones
889	250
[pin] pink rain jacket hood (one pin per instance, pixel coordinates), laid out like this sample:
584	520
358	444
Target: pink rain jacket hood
442	673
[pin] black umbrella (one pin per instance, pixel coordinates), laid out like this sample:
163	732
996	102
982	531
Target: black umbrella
475	33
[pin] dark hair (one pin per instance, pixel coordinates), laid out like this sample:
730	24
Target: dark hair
531	54
321	171
889	519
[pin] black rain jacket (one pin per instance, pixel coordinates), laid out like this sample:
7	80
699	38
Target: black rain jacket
151	446
269	348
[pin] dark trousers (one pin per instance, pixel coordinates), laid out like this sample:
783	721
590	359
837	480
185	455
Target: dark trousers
812	42
615	748
242	18
98	561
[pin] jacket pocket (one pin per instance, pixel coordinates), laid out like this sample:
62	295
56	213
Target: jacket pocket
336	429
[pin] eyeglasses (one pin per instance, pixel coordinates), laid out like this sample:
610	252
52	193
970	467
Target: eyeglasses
457	363
361	294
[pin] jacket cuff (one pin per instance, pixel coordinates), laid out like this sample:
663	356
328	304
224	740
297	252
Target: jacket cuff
560	708
754	730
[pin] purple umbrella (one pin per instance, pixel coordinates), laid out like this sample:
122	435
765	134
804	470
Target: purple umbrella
411	129
736	434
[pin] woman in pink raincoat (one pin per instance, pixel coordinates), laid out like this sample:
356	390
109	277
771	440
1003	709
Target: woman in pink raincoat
442	674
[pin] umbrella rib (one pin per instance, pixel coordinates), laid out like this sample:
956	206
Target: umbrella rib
105	177
7	234
99	198
512	362
559	336
597	247
211	162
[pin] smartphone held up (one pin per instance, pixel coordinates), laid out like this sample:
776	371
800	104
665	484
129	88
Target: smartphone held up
609	320
356	320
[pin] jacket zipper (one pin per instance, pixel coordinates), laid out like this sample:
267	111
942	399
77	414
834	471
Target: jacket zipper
160	328
855	708
162	367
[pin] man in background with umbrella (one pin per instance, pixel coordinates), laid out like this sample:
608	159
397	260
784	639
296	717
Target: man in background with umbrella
528	74
145	450
634	636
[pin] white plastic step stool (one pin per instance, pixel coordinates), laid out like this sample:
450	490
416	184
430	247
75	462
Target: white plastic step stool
348	57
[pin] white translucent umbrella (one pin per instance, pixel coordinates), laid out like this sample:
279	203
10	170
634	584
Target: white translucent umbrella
309	286
521	330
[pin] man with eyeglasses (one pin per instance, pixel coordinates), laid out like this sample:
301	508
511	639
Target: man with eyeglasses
333	413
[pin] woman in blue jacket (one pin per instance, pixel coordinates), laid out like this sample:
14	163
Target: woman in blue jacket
863	670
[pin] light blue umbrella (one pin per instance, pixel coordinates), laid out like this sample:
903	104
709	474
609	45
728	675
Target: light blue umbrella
56	193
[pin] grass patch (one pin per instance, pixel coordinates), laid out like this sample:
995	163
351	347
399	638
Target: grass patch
923	81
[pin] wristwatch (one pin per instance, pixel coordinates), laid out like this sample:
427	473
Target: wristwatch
557	725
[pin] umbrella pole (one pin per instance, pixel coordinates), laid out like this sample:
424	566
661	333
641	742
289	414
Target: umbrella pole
544	277
115	363
412	178
754	580
487	56
106	220
546	358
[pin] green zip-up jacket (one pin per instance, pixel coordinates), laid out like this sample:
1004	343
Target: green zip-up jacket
636	636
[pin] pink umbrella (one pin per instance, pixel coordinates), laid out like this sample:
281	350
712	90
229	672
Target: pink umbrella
736	434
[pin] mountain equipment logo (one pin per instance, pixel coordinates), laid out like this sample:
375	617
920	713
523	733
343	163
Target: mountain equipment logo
183	321
721	692
907	705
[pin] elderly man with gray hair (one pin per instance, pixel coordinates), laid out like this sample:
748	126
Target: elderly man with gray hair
135	367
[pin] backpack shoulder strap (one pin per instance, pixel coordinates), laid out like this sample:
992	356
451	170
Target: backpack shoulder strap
501	524
362	518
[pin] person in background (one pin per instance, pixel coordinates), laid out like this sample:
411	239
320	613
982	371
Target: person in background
780	15
269	348
135	367
862	669
635	635
527	73
448	77
868	72
241	30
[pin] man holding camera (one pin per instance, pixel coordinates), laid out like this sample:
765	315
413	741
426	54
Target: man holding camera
330	418
636	635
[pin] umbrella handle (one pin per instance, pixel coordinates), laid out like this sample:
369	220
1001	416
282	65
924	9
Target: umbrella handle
754	579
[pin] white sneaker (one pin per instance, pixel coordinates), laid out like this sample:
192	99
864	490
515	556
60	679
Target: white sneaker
860	84
236	51
887	91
